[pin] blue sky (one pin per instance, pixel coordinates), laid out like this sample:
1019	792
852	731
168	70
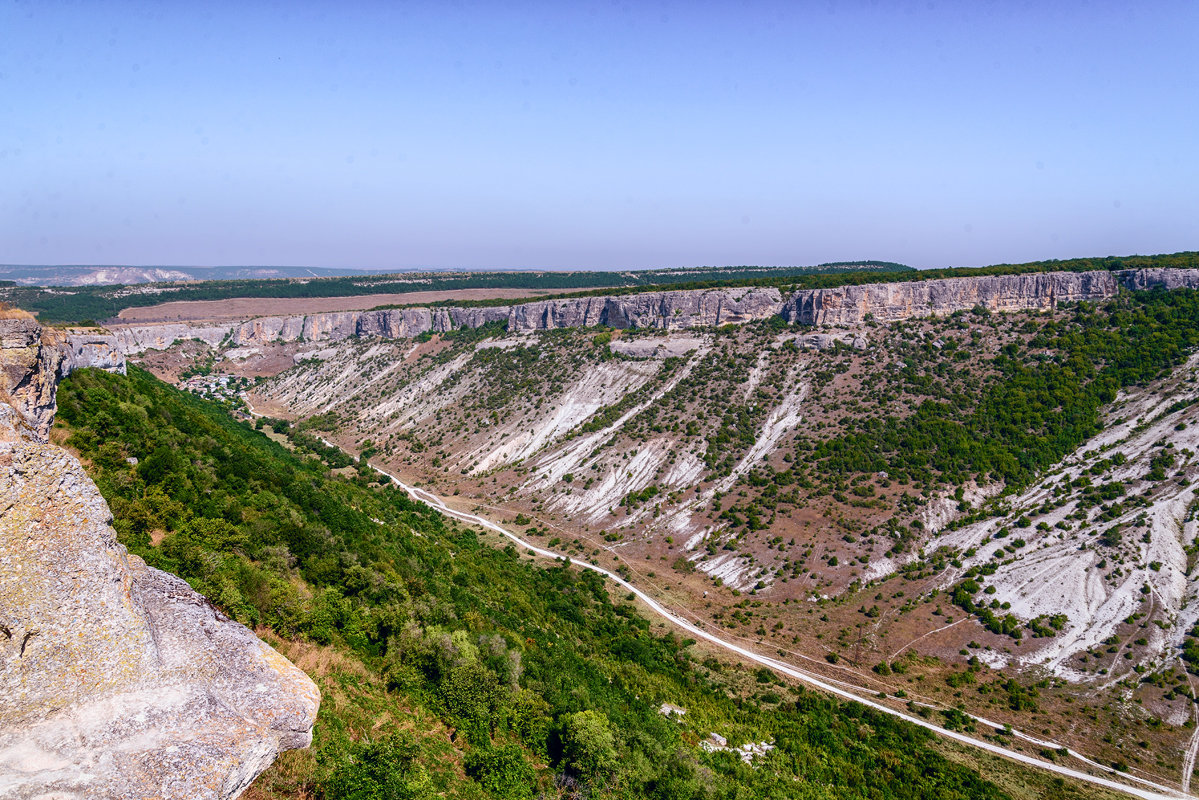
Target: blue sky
596	135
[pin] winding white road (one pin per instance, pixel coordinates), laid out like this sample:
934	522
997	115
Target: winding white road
1147	789
1153	791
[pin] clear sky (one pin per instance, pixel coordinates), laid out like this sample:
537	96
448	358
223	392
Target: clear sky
595	135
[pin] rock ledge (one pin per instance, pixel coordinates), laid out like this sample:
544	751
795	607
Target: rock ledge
116	680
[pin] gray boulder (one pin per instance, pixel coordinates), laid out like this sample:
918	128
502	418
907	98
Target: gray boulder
116	680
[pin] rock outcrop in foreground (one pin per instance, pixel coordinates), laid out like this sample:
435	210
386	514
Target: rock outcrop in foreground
116	680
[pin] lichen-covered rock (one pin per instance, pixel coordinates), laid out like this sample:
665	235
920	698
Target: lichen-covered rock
118	680
33	359
29	369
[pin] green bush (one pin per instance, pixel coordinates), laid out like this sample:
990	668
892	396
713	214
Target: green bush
503	772
386	769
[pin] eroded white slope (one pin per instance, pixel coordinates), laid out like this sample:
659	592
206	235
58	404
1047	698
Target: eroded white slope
619	477
1066	565
596	388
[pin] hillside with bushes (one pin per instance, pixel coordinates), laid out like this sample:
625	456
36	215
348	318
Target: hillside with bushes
451	667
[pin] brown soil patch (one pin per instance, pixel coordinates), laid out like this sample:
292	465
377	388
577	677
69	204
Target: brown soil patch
249	307
267	407
433	346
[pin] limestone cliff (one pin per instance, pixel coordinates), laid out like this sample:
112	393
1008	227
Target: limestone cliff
33	359
1160	278
28	373
91	348
891	302
116	680
139	338
840	306
669	310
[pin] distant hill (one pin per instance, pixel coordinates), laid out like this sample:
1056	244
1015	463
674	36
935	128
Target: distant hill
66	296
124	275
109	275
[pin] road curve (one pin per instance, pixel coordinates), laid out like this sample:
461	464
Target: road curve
1153	791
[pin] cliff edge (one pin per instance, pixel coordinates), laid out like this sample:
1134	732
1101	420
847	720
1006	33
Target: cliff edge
116	679
842	306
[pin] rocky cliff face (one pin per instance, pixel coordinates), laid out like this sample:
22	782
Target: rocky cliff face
1160	278
668	310
839	307
135	339
32	361
400	323
91	348
116	680
891	302
29	368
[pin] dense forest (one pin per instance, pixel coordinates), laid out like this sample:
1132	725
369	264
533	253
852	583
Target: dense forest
1044	404
91	303
450	667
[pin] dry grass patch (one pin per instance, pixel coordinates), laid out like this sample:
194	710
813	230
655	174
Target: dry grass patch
11	312
290	776
316	660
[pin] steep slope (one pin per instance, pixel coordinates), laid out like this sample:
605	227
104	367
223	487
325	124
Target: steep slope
1109	539
116	679
639	437
858	470
454	668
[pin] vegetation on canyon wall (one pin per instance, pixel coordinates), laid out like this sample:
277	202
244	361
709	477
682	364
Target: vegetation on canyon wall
449	666
1044	403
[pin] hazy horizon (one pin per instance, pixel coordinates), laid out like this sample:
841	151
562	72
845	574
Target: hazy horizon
590	136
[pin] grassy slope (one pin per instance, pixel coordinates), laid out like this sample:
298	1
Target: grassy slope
450	667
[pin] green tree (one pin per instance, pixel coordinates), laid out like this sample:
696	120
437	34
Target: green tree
503	772
386	769
588	746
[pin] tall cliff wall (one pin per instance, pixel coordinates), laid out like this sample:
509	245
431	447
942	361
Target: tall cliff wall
134	339
841	306
116	680
669	310
34	359
891	302
91	348
1160	278
29	369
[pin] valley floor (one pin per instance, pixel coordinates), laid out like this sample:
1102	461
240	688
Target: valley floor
862	687
817	496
